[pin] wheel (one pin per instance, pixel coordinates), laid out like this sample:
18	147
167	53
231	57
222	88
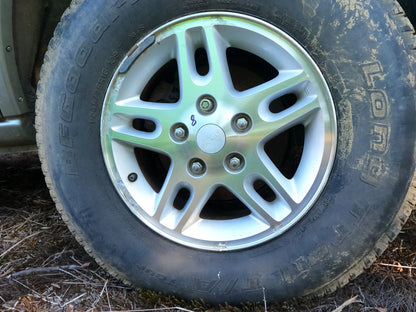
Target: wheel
216	149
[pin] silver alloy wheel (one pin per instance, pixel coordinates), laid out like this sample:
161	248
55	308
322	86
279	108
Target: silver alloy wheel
218	131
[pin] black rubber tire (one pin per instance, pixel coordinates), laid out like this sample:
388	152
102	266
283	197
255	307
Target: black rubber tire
365	53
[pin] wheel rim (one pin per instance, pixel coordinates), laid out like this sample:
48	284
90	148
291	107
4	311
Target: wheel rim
218	131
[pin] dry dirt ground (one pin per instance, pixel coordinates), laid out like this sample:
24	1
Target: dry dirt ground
42	267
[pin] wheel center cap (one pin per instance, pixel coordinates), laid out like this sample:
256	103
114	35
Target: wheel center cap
211	139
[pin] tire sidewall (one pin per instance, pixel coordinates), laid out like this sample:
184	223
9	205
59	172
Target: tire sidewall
372	171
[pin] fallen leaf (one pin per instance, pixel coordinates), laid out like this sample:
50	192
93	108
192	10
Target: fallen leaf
399	266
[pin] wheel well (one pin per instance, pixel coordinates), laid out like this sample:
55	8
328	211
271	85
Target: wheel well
34	22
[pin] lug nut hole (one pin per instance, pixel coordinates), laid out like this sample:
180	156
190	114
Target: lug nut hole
132	177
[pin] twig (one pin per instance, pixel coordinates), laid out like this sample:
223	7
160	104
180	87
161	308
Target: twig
92	271
54	257
14	209
27	287
99	296
85	276
32	271
347	303
397	266
11	308
36	294
76	277
264	299
94	284
18	243
76	298
8	272
15	227
108	298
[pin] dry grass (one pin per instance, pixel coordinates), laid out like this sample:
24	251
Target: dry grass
42	267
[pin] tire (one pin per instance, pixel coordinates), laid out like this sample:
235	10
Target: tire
295	194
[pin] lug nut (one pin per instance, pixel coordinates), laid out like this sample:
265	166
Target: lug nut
241	123
197	167
132	177
206	105
235	163
180	133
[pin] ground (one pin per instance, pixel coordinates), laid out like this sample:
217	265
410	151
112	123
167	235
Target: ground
42	267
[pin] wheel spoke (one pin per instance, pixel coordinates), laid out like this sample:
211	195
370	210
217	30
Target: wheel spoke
153	141
284	83
134	107
166	213
283	187
273	124
185	60
269	212
216	50
173	183
199	196
249	197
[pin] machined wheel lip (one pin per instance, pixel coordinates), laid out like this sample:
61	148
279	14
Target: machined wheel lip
231	163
